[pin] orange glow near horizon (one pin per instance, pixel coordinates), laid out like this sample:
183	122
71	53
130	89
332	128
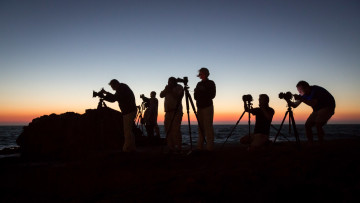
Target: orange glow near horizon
353	117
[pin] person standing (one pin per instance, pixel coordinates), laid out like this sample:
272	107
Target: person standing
173	94
126	99
322	103
204	93
151	114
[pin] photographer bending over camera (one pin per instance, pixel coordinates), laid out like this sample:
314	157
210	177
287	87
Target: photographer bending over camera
322	103
264	115
125	96
173	94
204	93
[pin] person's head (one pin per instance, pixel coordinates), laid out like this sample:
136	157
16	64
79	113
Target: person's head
263	100
172	81
114	84
203	73
303	87
152	94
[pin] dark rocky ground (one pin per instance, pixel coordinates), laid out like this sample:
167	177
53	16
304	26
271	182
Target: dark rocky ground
278	173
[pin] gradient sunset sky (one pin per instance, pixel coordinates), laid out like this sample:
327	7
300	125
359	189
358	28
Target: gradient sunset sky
53	54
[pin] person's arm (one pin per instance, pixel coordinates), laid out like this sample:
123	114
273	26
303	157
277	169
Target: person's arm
196	92
178	92
164	92
212	90
311	102
294	104
311	99
110	97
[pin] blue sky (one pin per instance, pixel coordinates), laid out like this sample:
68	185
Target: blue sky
54	53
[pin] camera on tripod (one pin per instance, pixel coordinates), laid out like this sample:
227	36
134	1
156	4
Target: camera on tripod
146	101
286	96
183	80
99	94
247	98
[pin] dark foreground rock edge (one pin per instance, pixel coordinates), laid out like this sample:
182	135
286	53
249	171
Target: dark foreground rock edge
278	173
71	135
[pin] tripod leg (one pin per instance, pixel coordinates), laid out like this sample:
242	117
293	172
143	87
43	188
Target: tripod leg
188	114
233	128
249	124
289	123
197	118
282	123
291	115
169	126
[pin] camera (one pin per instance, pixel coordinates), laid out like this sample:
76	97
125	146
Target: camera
146	101
286	96
99	94
247	98
184	80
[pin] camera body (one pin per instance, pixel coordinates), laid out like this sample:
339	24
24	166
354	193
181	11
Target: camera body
99	94
183	80
286	96
146	101
247	98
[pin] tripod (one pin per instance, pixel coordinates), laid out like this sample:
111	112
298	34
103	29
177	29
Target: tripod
188	99
291	122
249	106
139	117
101	104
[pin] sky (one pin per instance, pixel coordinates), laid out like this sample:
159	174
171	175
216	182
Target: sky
53	54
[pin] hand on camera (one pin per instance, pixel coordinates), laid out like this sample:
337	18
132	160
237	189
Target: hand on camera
297	97
102	91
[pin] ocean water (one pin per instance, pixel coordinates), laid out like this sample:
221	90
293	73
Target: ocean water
9	134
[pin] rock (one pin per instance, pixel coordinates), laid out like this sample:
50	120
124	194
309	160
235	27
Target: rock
71	135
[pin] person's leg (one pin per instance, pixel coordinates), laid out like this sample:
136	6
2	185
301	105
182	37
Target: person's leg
320	131
259	140
168	128
129	139
208	127
310	122
149	130
157	130
200	141
177	131
323	115
245	139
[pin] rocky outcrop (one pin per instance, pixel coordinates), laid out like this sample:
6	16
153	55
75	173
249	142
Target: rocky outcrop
71	134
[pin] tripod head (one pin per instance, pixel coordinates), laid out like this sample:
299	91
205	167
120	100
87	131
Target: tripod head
248	104
184	80
247	101
101	104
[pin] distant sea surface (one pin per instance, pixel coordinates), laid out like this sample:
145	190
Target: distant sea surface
9	134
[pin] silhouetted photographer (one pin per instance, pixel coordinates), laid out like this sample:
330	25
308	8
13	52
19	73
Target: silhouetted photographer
264	115
204	93
151	114
322	103
173	94
126	99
